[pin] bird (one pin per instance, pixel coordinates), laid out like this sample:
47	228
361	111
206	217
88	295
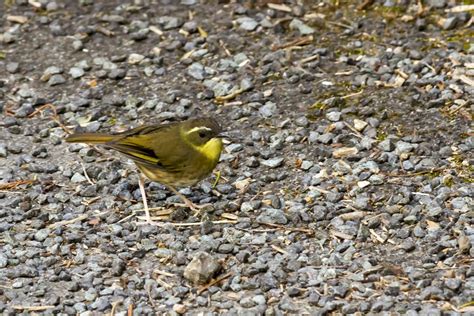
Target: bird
176	154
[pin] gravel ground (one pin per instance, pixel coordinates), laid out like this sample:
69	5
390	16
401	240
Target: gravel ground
347	187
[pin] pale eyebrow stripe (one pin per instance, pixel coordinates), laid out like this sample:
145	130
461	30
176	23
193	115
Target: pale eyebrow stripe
195	129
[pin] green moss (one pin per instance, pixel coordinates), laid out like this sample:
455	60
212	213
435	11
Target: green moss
2	54
381	136
112	121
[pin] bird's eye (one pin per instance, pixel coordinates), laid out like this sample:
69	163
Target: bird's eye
202	134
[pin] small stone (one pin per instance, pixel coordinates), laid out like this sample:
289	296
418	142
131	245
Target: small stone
169	22
179	308
13	67
259	299
453	284
306	165
386	145
334	116
304	29
268	110
404	147
302	121
117	73
134	59
77	178
225	248
42	234
450	23
53	70
272	216
273	162
196	70
3	261
3	151
359	124
247	23
202	268
56	80
76	72
77	45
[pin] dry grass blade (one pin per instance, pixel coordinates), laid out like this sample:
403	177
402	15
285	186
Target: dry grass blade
222	99
67	222
14	184
114	307
297	42
163	273
33	308
280	250
54	116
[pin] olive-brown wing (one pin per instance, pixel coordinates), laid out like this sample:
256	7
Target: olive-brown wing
158	146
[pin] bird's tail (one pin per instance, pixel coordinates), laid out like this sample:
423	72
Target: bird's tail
90	138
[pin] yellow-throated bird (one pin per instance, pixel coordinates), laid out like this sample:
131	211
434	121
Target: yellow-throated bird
175	154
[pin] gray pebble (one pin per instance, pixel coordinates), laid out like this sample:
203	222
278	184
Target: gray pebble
273	162
202	268
56	80
273	216
76	72
247	23
268	110
334	116
304	29
196	70
13	67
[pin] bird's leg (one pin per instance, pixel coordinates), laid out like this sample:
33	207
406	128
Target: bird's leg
141	184
188	203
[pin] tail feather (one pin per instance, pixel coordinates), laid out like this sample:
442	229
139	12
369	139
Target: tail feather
90	138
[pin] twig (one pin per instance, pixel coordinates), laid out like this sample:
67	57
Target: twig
14	184
213	282
357	133
308	59
164	284
33	308
340	25
461	8
365	4
127	217
352	94
104	31
377	236
86	175
130	310
186	224
297	42
414	174
222	99
67	222
164	273
54	117
114	307
280	250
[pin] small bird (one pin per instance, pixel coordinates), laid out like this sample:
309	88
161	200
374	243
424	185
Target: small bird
176	154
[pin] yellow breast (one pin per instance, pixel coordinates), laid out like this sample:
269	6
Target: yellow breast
211	150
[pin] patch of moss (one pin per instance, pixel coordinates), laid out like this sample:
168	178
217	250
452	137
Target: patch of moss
2	54
381	136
